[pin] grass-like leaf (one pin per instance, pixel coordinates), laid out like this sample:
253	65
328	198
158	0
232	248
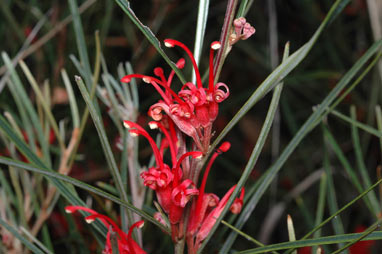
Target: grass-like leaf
25	241
200	31
252	160
312	121
313	242
358	124
105	143
82	185
125	6
361	163
278	74
65	190
332	199
81	43
27	106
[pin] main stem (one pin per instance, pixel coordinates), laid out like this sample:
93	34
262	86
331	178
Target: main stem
179	246
228	19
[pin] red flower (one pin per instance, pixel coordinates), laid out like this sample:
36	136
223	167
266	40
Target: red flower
189	112
204	216
126	244
194	108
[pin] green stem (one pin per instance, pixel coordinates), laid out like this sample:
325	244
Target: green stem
179	246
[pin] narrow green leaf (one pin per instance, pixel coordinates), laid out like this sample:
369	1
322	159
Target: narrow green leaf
365	127
133	85
248	237
38	243
82	185
244	8
125	6
200	31
313	242
27	105
329	138
45	106
339	211
25	241
361	163
312	121
277	75
4	183
105	143
114	104
250	164
332	199
80	40
72	99
65	190
378	114
15	180
321	203
362	236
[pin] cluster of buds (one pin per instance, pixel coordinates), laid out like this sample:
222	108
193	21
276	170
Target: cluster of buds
188	113
242	30
125	242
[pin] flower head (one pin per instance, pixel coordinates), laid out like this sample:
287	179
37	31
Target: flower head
194	108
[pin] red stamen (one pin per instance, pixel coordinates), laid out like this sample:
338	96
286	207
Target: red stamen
154	82
168	89
103	218
223	148
146	79
194	154
180	65
138	224
214	46
72	209
154	125
172	43
158	71
156	151
130	124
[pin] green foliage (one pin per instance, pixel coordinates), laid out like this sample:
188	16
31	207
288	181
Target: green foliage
55	137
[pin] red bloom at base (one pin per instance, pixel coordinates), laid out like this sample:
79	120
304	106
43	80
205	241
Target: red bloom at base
126	244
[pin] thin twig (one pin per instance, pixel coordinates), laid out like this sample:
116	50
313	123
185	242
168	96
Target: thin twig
226	29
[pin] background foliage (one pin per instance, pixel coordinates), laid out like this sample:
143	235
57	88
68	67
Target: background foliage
319	170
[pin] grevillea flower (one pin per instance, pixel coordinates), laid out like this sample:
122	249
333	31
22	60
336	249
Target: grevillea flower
189	112
126	244
194	108
208	207
172	192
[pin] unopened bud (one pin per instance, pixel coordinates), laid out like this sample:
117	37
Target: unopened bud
215	45
153	125
168	43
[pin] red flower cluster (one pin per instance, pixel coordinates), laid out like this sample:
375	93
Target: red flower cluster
126	244
194	108
190	112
